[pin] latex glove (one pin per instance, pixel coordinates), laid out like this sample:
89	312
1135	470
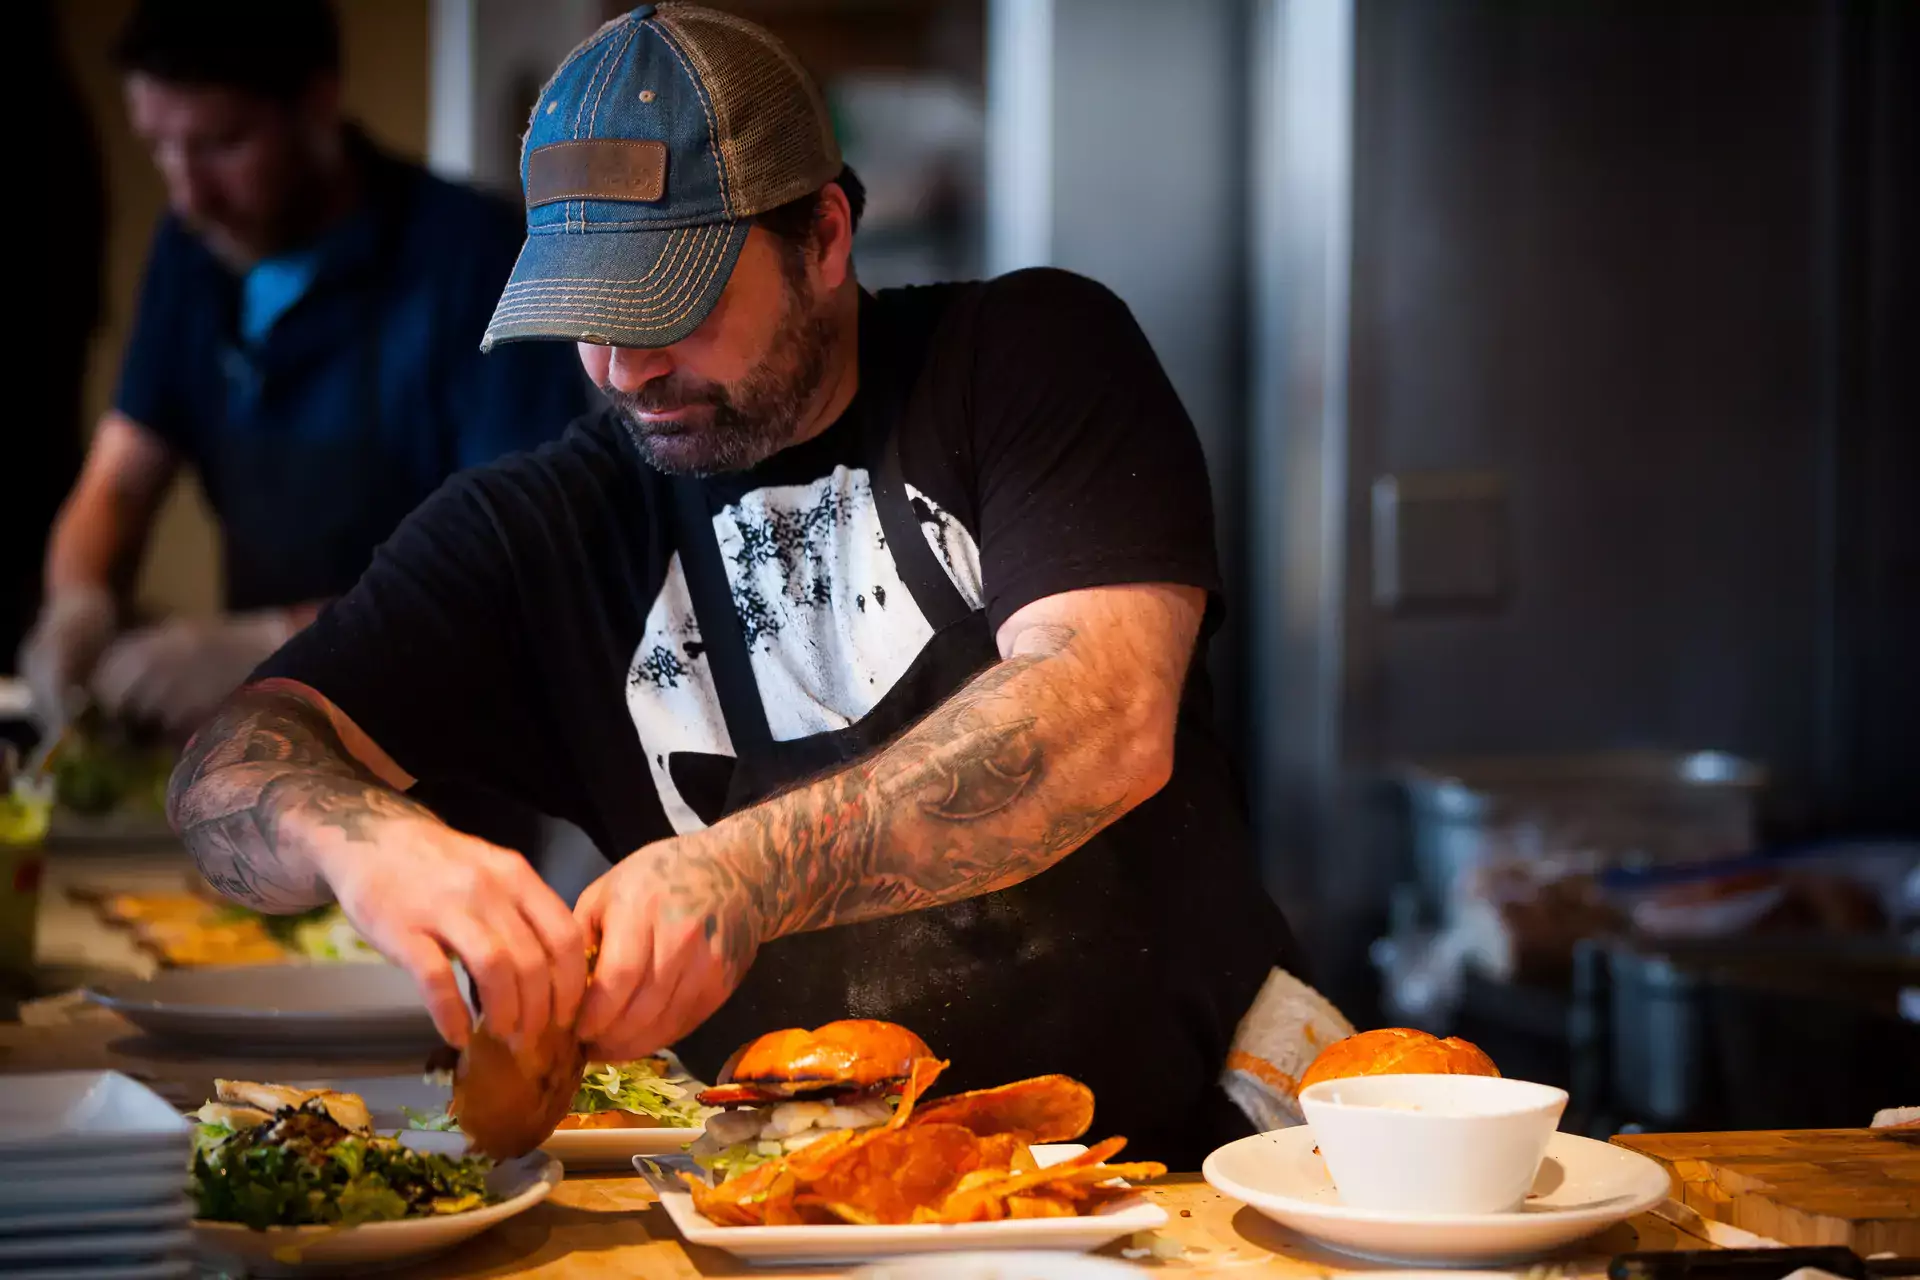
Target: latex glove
176	673
74	627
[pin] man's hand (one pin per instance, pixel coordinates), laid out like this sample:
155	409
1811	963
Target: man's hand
424	892
176	673
677	932
285	803
74	627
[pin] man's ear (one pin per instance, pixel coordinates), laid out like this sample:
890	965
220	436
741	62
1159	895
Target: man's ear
832	238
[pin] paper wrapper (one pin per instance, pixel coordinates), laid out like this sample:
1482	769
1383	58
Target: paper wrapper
1278	1039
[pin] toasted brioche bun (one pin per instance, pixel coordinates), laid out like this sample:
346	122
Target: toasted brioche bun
854	1053
606	1120
1398	1051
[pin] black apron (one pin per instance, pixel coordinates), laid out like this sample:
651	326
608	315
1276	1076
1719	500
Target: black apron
1065	972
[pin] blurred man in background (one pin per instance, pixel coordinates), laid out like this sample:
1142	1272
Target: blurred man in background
307	339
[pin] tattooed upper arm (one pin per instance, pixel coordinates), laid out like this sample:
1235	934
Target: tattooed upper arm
1019	767
268	770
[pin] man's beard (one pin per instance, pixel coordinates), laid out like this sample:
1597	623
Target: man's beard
735	425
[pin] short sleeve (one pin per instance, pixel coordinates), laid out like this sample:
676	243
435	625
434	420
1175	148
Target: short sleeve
150	390
424	653
1088	471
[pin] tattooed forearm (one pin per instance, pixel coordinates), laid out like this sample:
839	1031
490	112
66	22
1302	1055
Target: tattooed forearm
259	782
1024	764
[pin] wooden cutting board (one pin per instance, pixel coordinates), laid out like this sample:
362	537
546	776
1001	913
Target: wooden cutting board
1853	1187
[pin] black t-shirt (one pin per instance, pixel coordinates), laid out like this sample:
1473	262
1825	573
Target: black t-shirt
526	629
529	630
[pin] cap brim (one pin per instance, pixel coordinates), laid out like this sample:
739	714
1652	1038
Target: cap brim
620	288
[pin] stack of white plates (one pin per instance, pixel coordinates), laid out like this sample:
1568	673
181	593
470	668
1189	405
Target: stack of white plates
93	1179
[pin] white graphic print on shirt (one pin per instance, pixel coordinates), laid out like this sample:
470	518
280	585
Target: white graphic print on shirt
828	623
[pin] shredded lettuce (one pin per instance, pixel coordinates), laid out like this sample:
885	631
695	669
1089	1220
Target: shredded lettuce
640	1087
438	1120
731	1162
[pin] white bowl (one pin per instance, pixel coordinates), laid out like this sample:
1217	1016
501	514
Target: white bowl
1432	1144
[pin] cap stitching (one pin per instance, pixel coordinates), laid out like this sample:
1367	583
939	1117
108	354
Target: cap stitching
666	294
706	109
602	33
593	119
685	252
570	284
607	58
692	272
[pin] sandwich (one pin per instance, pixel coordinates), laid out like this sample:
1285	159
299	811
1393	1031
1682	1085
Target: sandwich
790	1088
242	1104
1398	1051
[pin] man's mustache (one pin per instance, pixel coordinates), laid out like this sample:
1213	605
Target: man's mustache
666	396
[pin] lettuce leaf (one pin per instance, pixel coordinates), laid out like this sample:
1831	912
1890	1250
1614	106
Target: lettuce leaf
639	1087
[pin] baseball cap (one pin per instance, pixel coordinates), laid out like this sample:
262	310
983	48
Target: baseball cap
649	151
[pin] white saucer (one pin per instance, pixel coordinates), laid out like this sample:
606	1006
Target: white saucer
1583	1187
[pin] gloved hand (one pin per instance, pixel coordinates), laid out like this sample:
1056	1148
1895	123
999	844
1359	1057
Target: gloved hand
176	673
74	627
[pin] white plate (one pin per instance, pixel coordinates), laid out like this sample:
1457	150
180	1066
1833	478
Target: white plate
1583	1187
158	1269
116	1191
103	1165
386	1096
89	1217
68	1114
97	1245
600	1148
302	1251
1014	1264
778	1246
362	1009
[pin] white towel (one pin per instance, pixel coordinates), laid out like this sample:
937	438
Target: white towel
1278	1039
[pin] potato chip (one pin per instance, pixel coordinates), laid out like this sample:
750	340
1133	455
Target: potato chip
1043	1109
1003	1151
1040	1206
897	1171
919	1079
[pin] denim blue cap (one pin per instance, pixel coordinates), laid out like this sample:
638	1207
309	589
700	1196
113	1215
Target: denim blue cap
649	151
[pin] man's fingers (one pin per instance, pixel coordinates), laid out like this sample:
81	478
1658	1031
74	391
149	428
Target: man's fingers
532	968
678	959
633	1032
491	968
565	945
421	957
625	963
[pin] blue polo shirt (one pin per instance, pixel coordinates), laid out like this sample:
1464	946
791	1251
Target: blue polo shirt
324	394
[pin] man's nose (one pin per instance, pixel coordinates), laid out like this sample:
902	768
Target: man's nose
631	368
187	189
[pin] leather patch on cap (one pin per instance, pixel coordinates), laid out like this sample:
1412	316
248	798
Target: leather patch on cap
597	169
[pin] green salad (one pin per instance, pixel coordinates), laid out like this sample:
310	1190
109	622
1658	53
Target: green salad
301	1168
640	1086
321	933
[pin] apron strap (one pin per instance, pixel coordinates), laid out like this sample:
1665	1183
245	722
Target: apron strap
906	396
925	577
726	643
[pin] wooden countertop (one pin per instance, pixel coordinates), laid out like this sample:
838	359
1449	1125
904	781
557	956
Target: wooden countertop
606	1227
595	1226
